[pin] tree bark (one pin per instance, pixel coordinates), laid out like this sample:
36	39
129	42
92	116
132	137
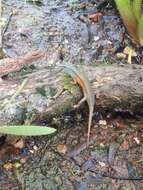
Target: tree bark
116	88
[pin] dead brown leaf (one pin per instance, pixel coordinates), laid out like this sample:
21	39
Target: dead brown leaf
94	18
62	148
19	144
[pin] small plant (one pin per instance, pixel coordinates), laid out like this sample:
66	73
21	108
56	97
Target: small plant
73	3
26	130
130	11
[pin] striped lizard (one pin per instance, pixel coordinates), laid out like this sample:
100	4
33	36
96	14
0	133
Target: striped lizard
80	77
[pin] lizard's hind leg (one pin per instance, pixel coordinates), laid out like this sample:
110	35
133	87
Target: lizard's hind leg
80	102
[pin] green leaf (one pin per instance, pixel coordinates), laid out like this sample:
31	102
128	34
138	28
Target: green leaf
129	19
140	30
26	130
136	6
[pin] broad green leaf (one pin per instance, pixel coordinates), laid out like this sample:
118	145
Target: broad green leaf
129	19
136	6
26	130
140	30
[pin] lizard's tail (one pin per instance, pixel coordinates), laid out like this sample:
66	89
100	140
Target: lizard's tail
89	125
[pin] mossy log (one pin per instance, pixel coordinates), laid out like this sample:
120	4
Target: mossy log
116	88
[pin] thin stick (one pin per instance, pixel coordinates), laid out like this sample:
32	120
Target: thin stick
18	91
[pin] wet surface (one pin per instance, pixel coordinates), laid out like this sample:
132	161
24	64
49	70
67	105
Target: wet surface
55	26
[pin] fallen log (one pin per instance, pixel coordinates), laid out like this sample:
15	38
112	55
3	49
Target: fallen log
116	88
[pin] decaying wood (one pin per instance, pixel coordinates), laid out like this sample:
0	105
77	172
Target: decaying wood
116	87
9	65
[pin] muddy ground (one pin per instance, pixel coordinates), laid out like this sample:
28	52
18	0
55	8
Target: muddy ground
114	158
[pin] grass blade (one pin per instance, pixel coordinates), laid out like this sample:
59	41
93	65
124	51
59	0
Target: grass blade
18	91
129	19
136	6
26	130
140	30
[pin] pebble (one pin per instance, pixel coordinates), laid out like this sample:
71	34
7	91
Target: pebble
102	122
35	147
31	151
96	38
137	140
102	164
121	55
23	160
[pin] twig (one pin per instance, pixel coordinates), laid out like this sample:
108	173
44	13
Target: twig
18	91
5	29
117	177
7	23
